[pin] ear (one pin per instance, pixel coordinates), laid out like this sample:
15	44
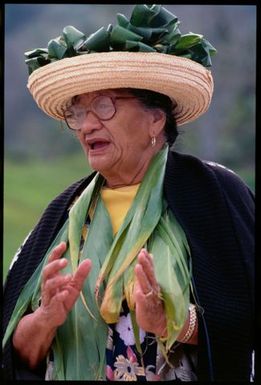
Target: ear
158	122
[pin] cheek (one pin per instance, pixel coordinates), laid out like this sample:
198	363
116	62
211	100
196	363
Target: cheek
137	134
79	137
128	131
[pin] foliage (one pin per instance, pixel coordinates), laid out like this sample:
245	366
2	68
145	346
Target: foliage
151	28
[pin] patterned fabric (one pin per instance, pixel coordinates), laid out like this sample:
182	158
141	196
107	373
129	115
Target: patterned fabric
125	363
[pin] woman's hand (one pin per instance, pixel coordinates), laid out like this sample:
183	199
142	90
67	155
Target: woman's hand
150	313
60	292
35	332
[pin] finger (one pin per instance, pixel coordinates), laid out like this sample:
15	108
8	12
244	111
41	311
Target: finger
146	261
54	262
53	286
57	252
56	283
81	274
62	295
137	290
53	268
146	300
142	280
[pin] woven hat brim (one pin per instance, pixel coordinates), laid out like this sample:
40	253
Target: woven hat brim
186	82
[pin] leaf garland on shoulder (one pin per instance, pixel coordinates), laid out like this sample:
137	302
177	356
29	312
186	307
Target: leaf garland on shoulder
151	28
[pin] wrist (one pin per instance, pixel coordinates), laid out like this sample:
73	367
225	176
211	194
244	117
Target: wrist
190	327
33	337
44	321
161	330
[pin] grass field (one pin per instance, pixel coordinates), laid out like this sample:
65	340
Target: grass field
28	188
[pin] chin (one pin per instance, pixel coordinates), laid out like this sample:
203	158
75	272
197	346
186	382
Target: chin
99	164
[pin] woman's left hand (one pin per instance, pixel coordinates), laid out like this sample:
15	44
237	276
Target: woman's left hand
150	313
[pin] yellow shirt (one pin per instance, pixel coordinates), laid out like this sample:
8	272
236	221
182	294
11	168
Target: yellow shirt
118	201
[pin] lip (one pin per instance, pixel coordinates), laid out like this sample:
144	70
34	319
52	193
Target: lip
96	145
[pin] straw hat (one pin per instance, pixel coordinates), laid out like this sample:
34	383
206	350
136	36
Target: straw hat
186	82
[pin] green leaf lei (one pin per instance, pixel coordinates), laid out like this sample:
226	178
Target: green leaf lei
151	28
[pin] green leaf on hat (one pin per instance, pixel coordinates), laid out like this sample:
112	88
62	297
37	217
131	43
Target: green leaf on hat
122	20
119	35
73	37
173	36
146	33
162	17
188	41
36	62
142	15
56	49
209	47
36	52
151	28
97	41
138	46
201	53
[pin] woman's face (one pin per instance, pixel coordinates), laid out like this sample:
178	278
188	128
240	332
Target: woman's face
120	148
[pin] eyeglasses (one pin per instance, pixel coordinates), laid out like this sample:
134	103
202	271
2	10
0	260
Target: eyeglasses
102	106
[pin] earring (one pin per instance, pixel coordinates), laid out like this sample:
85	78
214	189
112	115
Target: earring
153	141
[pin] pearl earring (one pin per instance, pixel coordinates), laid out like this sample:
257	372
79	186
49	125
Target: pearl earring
153	141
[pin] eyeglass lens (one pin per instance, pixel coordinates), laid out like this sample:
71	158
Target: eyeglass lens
102	106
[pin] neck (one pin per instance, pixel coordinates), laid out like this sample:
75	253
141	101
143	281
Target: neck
129	177
116	181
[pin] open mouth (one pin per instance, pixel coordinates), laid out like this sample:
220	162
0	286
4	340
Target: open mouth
98	145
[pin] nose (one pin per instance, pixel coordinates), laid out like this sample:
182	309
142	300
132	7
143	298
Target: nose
91	123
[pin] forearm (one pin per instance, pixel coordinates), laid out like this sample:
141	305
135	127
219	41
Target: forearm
33	337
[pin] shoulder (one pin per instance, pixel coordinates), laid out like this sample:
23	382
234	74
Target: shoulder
205	172
225	175
237	193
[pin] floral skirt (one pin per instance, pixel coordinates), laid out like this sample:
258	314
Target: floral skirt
125	363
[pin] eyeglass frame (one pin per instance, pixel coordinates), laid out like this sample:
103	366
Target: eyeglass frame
89	108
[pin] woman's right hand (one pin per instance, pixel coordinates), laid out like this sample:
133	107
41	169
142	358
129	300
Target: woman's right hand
34	333
60	292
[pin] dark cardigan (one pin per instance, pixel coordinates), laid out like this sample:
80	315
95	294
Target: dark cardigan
216	210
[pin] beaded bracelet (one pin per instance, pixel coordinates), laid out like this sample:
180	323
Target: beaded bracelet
192	323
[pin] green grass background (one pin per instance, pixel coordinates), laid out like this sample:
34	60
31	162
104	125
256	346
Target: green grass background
28	188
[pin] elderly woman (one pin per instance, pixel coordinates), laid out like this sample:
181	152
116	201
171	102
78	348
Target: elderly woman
143	270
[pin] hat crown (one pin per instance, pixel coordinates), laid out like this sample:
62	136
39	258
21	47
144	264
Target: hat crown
151	28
